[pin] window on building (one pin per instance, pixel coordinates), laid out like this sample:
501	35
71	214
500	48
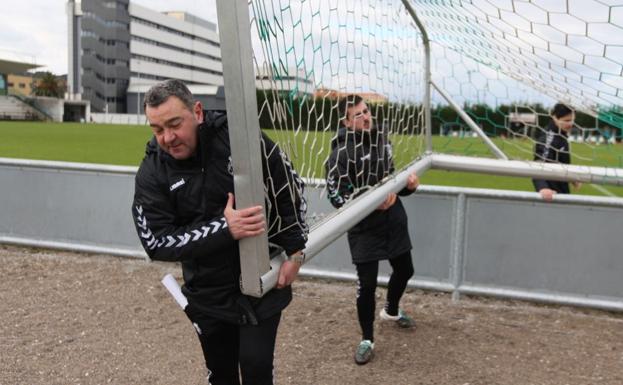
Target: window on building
86	33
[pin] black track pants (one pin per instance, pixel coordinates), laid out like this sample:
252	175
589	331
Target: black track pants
251	348
402	270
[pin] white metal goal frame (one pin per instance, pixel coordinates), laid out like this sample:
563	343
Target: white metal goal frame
258	273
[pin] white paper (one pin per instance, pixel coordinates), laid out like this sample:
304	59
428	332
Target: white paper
174	288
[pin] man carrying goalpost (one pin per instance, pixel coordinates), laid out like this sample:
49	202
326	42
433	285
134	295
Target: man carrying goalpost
361	156
184	211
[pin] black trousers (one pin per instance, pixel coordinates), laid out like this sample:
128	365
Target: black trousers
227	347
367	273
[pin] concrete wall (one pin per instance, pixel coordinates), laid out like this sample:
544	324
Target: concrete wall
52	106
119	118
471	241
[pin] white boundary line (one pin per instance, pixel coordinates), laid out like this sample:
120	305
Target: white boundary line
603	190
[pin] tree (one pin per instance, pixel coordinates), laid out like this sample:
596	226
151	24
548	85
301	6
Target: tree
47	85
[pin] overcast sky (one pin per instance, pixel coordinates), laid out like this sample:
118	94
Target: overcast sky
36	30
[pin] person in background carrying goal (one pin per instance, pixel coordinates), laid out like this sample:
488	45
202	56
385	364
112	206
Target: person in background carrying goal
361	156
184	211
552	146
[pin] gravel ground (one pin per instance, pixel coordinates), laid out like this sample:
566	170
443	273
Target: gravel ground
68	318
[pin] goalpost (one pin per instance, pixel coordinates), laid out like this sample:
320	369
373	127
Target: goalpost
492	68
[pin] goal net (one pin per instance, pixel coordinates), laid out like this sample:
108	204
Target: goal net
507	63
497	67
309	55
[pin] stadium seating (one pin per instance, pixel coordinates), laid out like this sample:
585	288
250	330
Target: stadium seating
12	108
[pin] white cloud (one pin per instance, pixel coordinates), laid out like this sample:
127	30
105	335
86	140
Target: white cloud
35	31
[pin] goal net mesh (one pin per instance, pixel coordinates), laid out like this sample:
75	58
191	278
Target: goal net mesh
309	54
506	62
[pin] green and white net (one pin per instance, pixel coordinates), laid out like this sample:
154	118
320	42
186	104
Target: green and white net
309	54
506	62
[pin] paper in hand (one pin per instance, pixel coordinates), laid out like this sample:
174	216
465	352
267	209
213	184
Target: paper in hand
174	288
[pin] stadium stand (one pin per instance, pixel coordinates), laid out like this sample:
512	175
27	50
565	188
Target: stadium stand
11	108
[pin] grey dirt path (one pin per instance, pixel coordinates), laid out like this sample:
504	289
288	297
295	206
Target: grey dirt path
70	318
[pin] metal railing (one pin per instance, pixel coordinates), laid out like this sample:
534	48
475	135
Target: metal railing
466	241
33	104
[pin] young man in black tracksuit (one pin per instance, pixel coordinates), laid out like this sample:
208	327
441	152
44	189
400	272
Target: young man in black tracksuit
361	157
552	146
184	211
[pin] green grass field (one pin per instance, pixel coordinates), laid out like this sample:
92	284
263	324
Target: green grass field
125	145
590	155
74	142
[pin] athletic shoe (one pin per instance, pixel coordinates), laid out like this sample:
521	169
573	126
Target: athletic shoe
365	352
402	319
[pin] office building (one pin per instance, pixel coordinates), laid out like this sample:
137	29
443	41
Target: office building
118	49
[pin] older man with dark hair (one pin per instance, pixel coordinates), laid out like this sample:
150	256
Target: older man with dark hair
184	211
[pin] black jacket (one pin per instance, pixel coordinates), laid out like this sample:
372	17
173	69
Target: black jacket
178	211
359	160
552	146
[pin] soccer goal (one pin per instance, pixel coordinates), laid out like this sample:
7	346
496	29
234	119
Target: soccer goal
455	85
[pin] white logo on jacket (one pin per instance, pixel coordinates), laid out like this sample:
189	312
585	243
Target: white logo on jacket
177	184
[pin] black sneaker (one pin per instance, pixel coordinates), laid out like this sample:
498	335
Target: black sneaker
365	352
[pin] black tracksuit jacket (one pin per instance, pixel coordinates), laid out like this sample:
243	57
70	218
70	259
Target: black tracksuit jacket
359	160
552	146
178	212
